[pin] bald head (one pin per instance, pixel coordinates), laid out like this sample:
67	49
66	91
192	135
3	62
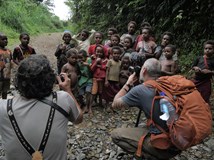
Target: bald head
151	69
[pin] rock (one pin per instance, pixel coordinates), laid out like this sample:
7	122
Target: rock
207	149
210	144
112	154
81	156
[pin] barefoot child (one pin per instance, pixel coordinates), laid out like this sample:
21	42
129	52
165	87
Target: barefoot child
107	42
132	25
5	66
85	81
84	39
167	38
115	41
98	68
146	46
72	70
23	50
98	38
112	75
63	48
169	65
124	72
204	70
127	47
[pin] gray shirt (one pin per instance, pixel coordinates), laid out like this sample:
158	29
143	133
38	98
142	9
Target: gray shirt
142	96
31	116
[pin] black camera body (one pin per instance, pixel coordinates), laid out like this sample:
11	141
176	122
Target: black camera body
135	69
62	78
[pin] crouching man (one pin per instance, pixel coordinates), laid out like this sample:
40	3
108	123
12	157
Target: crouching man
142	97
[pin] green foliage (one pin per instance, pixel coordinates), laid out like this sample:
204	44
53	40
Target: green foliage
27	16
191	21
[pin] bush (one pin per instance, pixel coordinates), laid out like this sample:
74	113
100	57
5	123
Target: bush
27	16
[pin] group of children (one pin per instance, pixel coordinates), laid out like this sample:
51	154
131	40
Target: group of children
98	68
101	68
94	75
9	59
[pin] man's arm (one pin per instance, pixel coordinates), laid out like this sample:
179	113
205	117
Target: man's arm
65	85
118	102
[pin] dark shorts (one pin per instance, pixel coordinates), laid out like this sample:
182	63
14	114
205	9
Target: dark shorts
85	88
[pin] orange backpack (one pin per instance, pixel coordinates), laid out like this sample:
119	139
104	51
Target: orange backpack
195	119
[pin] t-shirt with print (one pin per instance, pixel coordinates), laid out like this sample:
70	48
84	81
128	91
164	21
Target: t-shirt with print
21	53
31	116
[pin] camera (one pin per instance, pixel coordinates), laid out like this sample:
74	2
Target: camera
137	59
135	69
62	78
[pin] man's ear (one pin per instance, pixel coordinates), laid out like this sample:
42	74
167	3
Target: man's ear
144	71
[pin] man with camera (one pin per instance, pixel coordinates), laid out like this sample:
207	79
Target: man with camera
141	96
33	124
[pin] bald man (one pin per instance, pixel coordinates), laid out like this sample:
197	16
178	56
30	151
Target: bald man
141	96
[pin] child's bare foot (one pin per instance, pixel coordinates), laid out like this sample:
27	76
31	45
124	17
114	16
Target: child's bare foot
85	110
90	113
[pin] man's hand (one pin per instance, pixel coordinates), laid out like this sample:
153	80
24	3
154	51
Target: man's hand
64	82
132	79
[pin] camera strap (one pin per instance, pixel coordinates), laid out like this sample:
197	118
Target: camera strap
54	105
21	137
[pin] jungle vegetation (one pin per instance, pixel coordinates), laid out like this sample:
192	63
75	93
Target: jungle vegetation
191	21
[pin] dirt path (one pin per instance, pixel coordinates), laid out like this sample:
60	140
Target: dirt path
45	44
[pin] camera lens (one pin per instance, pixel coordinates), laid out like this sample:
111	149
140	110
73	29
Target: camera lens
131	69
137	70
62	78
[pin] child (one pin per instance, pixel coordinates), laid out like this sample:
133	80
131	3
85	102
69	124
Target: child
124	72
112	75
85	81
72	70
23	50
98	68
204	70
131	32
127	47
115	41
169	65
98	38
167	38
63	48
146	47
140	37
5	66
84	39
111	31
